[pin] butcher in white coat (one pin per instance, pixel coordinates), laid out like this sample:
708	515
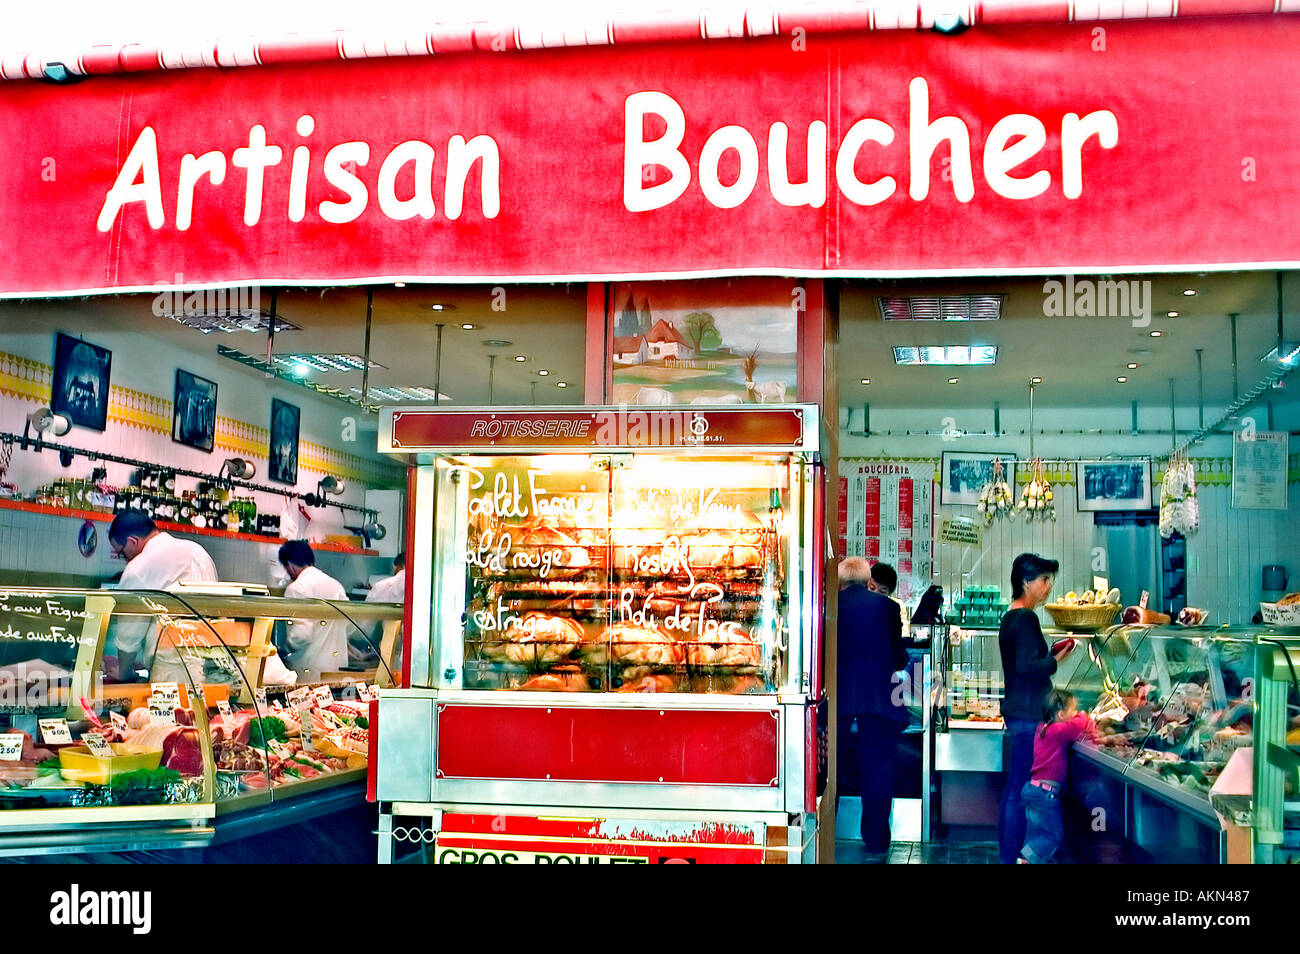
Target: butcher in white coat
391	589
155	561
315	646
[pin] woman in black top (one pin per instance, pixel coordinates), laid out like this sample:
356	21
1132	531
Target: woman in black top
1027	667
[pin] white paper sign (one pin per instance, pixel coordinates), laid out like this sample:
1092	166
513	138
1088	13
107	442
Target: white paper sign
304	717
223	707
323	695
118	721
298	695
259	697
11	747
98	747
161	713
1259	470
55	731
165	691
364	692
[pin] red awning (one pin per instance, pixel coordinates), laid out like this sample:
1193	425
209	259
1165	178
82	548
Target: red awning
685	22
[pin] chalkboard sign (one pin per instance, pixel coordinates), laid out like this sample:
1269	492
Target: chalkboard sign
41	630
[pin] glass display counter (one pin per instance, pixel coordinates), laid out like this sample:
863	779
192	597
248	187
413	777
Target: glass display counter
1172	706
96	759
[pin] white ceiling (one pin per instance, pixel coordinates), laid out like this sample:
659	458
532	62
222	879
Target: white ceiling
545	323
1078	359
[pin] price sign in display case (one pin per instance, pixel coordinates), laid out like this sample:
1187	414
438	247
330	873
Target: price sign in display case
614	615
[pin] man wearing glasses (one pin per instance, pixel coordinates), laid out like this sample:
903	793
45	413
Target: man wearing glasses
154	561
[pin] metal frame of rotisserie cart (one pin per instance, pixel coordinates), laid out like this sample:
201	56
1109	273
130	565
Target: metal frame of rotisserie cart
424	736
129	828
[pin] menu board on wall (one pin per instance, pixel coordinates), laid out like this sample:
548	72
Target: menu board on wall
1259	470
887	514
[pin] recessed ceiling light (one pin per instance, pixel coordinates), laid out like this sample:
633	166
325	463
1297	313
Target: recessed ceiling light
301	369
1121	379
521	357
468	326
1172	314
952	380
542	372
1156	334
1189	292
951	354
442	306
496	343
399	284
866	380
1035	380
1132	365
561	384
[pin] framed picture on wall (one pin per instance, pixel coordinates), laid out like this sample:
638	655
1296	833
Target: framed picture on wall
1114	484
80	386
194	412
283	452
963	476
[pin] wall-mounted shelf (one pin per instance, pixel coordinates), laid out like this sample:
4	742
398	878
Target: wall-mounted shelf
181	528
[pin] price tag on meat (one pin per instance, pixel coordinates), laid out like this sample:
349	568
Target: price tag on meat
223	707
11	747
1146	598
55	731
364	692
118	722
259	697
304	717
165	691
323	695
161	713
98	747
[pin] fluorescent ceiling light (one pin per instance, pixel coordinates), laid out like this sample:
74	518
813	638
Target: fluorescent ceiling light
229	322
947	354
323	363
1288	354
400	394
942	308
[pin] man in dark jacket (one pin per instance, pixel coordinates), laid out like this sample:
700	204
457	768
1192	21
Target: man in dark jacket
870	655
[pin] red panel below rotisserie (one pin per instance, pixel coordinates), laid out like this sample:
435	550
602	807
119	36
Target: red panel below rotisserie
673	746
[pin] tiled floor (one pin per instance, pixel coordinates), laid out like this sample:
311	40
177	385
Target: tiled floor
916	853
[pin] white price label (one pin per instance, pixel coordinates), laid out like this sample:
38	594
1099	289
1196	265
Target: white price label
1101	585
223	707
55	731
98	747
1146	598
161	714
11	747
164	691
304	717
259	697
364	692
297	695
118	721
324	695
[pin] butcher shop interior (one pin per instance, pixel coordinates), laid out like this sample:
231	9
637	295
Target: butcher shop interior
1133	428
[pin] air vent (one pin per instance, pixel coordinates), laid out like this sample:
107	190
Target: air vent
942	308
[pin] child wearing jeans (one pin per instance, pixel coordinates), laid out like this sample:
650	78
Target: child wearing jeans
1063	724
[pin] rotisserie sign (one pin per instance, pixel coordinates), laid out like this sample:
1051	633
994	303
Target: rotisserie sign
677	428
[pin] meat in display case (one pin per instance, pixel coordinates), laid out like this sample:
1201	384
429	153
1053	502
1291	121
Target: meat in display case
642	582
190	748
1174	706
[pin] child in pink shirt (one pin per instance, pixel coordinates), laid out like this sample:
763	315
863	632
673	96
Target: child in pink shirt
1063	724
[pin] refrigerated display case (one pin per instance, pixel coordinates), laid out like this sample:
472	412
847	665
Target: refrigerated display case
1172	706
193	748
617	618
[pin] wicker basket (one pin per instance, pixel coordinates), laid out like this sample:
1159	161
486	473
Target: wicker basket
1083	619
